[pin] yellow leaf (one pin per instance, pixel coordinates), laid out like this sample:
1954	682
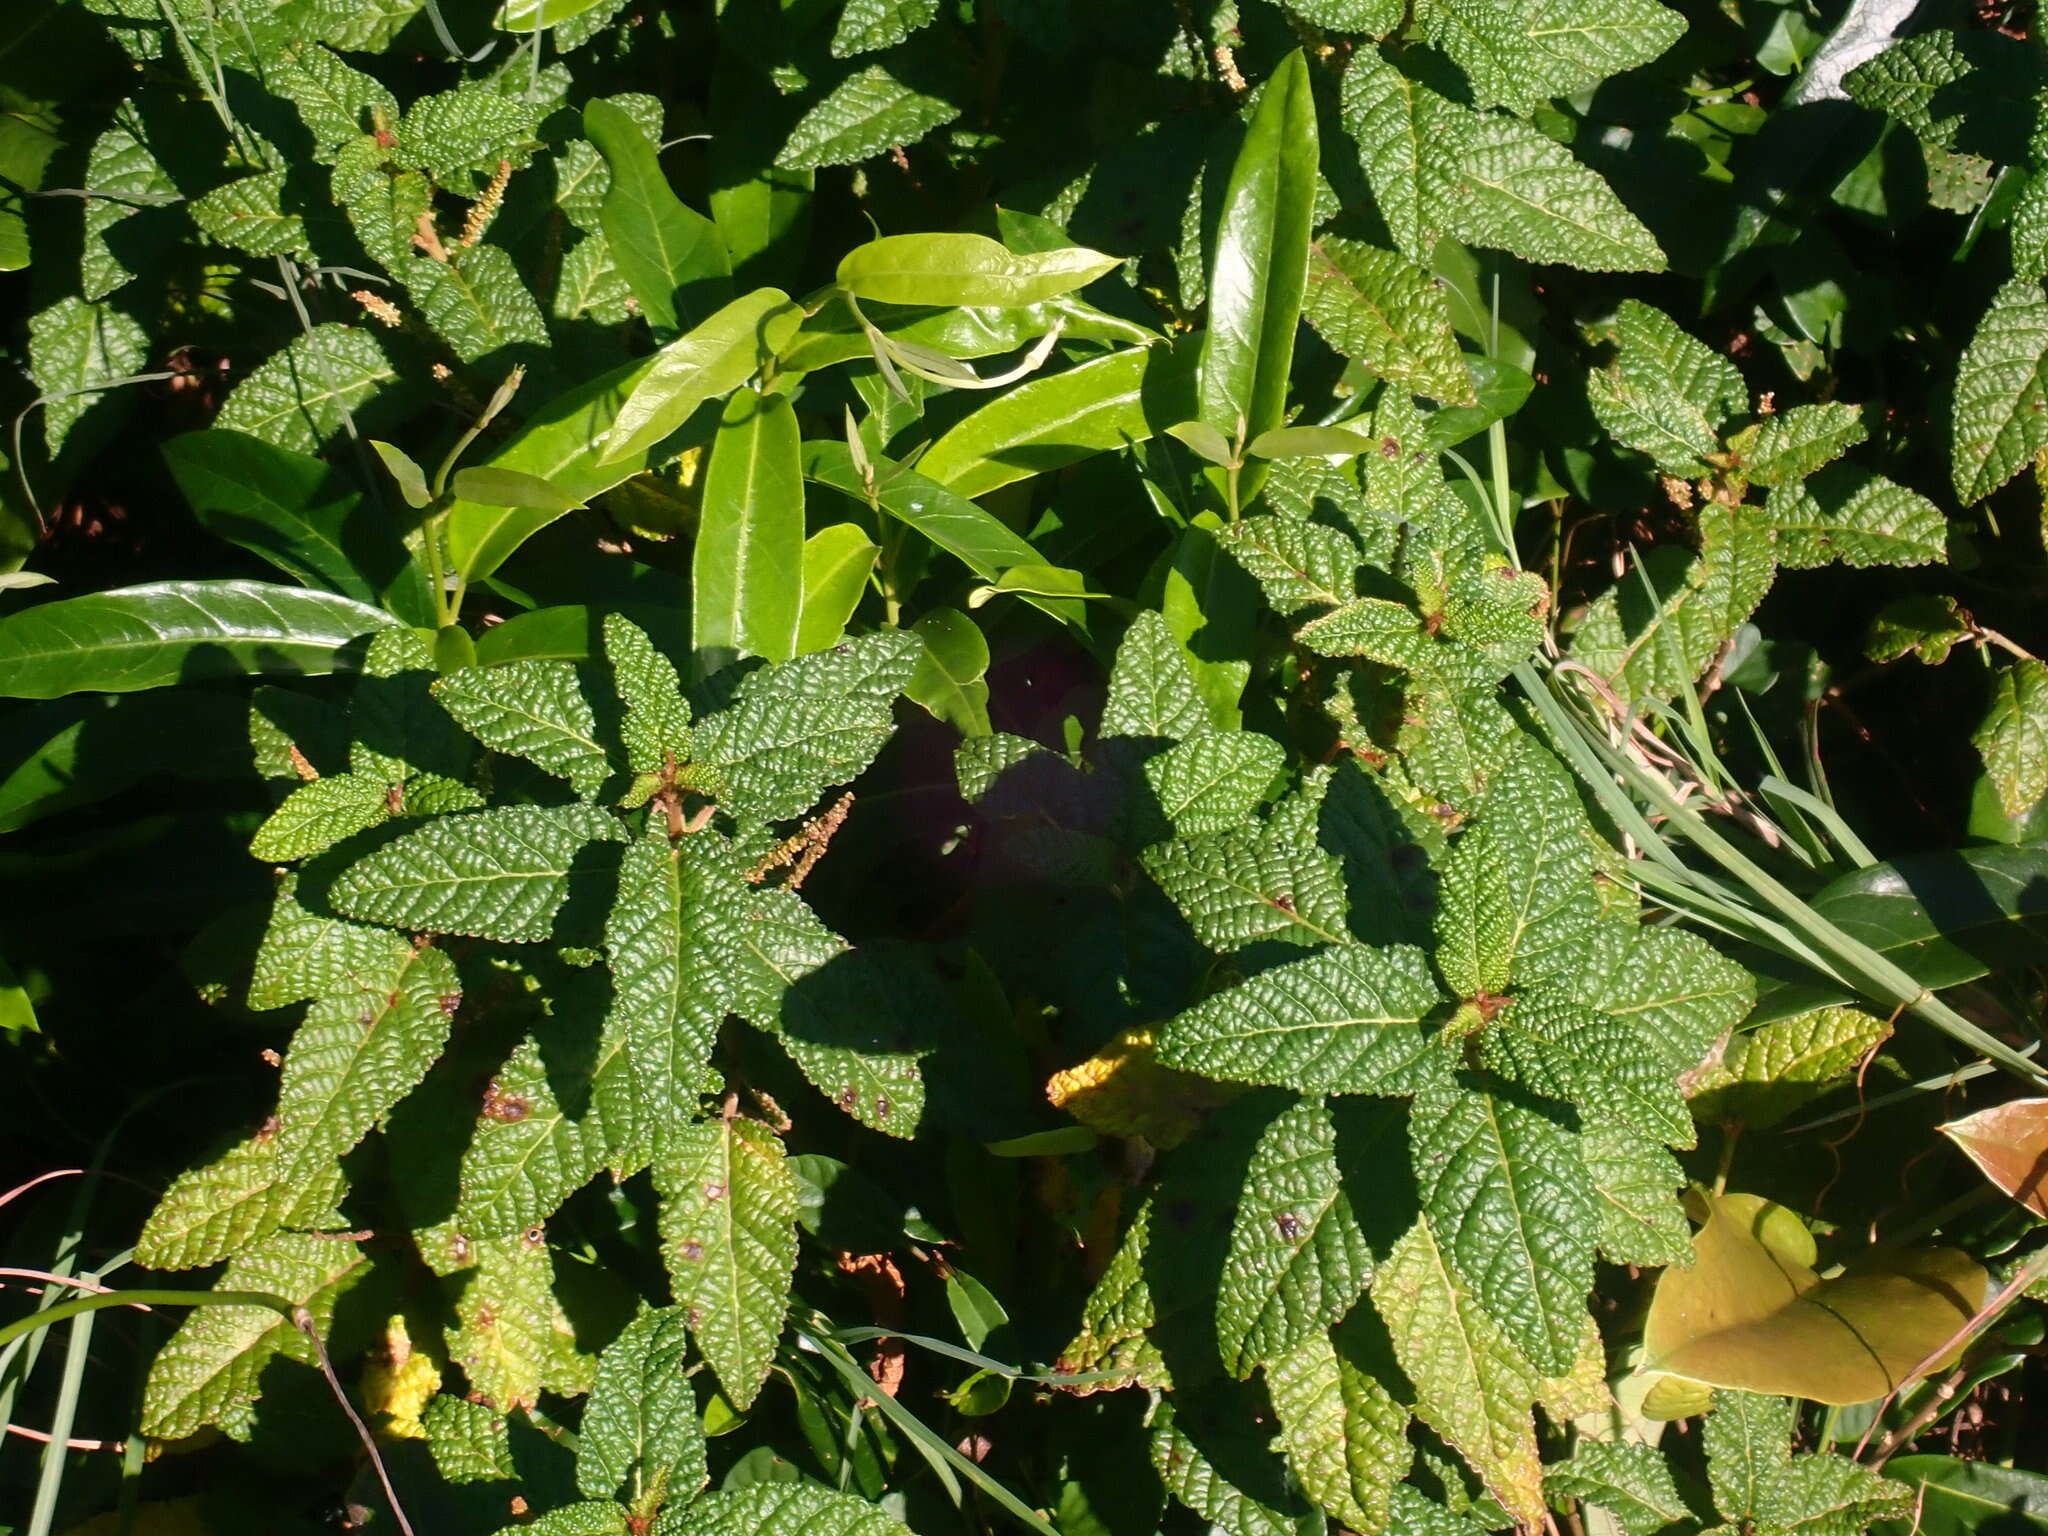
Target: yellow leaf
1751	1316
399	1384
1774	1071
1122	1091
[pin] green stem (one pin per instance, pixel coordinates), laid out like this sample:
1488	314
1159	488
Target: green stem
78	1304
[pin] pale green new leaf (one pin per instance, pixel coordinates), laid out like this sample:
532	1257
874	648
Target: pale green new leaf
1791	445
2013	739
795	728
1667	395
1628	1479
357	1054
1519	53
1507	1194
728	1236
1346	1020
1845	513
1343	1433
1387	313
316	816
712	359
2001	393
1152	689
301	397
224	1208
528	1153
965	271
864	114
747	566
207	1372
1637	1183
497	874
778	1509
670	255
531	709
1214	782
1518	901
1472	1385
838	560
1519	190
1298	1258
641	1440
866	25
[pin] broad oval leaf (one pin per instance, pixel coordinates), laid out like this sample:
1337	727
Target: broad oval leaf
837	561
180	632
642	1441
670	255
965	271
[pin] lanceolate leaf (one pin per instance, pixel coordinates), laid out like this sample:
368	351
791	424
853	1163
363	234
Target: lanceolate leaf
224	1208
1519	190
669	254
1846	514
864	115
1410	141
1050	422
531	709
747	569
179	632
529	1153
641	1440
717	356
728	1236
1667	394
498	874
945	271
1298	1257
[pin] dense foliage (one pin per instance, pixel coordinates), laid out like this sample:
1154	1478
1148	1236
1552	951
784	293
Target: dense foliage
821	765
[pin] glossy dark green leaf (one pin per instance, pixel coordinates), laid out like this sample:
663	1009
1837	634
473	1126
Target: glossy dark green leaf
834	335
1260	267
748	567
1968	1498
671	256
180	632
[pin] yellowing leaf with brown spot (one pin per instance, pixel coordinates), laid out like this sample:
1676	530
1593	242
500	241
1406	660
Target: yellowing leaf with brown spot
1123	1091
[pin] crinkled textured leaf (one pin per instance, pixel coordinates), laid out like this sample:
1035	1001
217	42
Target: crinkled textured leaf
866	25
1628	1479
1507	1194
795	728
1297	564
470	128
469	1440
336	102
74	346
1298	1258
1830	1496
1343	1433
1375	18
528	1153
1677	992
1519	190
641	1440
121	164
1746	1439
1152	689
1410	142
531	709
1847	514
1518	54
511	1337
1926	625
1115	1318
728	1236
299	397
316	816
1793	444
1346	1020
866	113
476	302
1189	1467
224	1208
1518	903
248	216
1667	395
859	1027
1760	1486
1770	1072
1249	883
1637	1184
2001	394
1472	1385
397	731
383	206
657	723
1386	631
1387	313
304	955
497	874
778	1509
1212	782
2013	739
589	1518
359	1052
1568	1052
207	1371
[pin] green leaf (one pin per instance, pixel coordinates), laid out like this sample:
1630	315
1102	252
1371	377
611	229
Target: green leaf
1265	881
360	1051
1960	1498
248	216
531	709
1925	625
1519	190
717	357
1472	1385
1260	264
224	1208
1518	55
657	722
1568	1052
1673	989
1214	782
2001	396
1507	1195
468	129
728	1236
944	271
1220	1465
951	676
1308	443
1387	313
2013	739
178	632
78	352
528	1153
477	303
859	1027
1745	1438
641	1441
1410	142
1298	1258
1049	422
207	1373
469	1441
1117	1314
1518	900
335	102
796	728
779	1509
304	956
747	568
1346	1020
1298	564
1791	445
1667	395
295	512
1152	692
1771	1072
1628	1479
1847	514
1343	1433
867	25
1830	1496
491	487
1637	1182
511	1338
670	255
122	165
866	113
498	874
588	1518
303	395
838	560
316	816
